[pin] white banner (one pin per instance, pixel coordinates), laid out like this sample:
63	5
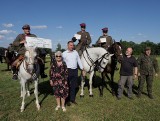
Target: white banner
39	42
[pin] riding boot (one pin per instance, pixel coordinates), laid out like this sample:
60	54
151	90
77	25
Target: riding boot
43	75
15	73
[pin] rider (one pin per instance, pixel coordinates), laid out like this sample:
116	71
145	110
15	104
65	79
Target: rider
19	48
84	41
108	42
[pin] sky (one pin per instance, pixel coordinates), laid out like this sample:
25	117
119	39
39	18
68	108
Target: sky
58	20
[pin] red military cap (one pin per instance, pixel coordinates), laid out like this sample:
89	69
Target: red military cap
82	24
26	26
105	29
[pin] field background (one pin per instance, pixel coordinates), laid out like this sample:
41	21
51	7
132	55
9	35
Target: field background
106	108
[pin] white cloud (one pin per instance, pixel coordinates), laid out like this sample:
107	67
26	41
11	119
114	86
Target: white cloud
8	25
10	38
7	32
92	35
139	34
59	27
1	37
39	27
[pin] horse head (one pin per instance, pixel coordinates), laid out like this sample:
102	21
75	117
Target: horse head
29	58
104	60
117	50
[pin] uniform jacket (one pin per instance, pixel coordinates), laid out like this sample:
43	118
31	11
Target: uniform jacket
106	44
147	64
85	38
20	47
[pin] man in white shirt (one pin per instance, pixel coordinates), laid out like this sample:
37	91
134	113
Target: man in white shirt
72	59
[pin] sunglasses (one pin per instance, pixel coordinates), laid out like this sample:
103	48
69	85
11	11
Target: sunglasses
58	56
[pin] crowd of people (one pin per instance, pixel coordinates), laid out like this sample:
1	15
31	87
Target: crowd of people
64	68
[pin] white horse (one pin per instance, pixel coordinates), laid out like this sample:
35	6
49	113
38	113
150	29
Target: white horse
90	58
25	73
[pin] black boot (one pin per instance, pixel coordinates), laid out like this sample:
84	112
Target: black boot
43	75
15	74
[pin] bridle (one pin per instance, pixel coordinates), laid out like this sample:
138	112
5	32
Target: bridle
28	63
97	62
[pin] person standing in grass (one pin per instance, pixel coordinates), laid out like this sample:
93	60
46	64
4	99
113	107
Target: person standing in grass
58	79
128	64
72	60
147	64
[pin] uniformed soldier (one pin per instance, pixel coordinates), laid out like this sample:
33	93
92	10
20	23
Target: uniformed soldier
108	42
19	48
84	41
147	64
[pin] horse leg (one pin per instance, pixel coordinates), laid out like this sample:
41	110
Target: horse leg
36	93
112	84
90	84
27	87
23	94
103	82
82	86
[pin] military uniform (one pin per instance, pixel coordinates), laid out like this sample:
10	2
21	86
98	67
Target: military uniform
146	66
108	42
18	46
84	41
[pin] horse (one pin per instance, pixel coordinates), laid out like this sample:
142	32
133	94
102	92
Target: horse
9	57
91	58
25	73
115	49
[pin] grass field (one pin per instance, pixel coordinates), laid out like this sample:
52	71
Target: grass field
106	108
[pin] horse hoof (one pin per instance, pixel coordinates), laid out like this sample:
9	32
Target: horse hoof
90	95
81	96
22	110
101	95
38	107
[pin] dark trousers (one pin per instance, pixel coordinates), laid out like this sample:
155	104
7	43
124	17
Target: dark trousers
73	83
1	59
149	81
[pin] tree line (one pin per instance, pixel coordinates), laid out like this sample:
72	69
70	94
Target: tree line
139	48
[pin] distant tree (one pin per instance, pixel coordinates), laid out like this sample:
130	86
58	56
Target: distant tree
58	47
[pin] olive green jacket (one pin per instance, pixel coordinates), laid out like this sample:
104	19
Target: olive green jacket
20	47
85	38
106	44
147	64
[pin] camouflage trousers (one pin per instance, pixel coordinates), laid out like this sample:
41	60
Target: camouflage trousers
149	81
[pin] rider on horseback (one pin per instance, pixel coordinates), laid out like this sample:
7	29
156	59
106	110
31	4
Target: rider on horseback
107	43
19	48
84	41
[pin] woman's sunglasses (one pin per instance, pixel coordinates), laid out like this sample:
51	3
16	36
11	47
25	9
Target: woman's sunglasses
58	56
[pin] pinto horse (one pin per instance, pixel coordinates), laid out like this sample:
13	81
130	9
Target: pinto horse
115	49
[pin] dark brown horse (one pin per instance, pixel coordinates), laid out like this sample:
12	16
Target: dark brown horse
9	58
115	49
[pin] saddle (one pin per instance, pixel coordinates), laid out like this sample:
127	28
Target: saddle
18	61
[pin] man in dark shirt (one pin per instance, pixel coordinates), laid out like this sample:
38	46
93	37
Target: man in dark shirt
128	65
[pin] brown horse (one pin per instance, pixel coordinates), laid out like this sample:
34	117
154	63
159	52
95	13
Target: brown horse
115	49
9	57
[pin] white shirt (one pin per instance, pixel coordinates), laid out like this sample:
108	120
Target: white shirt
72	59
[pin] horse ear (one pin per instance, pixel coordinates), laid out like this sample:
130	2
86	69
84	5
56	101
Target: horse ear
111	55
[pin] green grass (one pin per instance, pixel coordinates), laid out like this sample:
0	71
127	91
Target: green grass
106	108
